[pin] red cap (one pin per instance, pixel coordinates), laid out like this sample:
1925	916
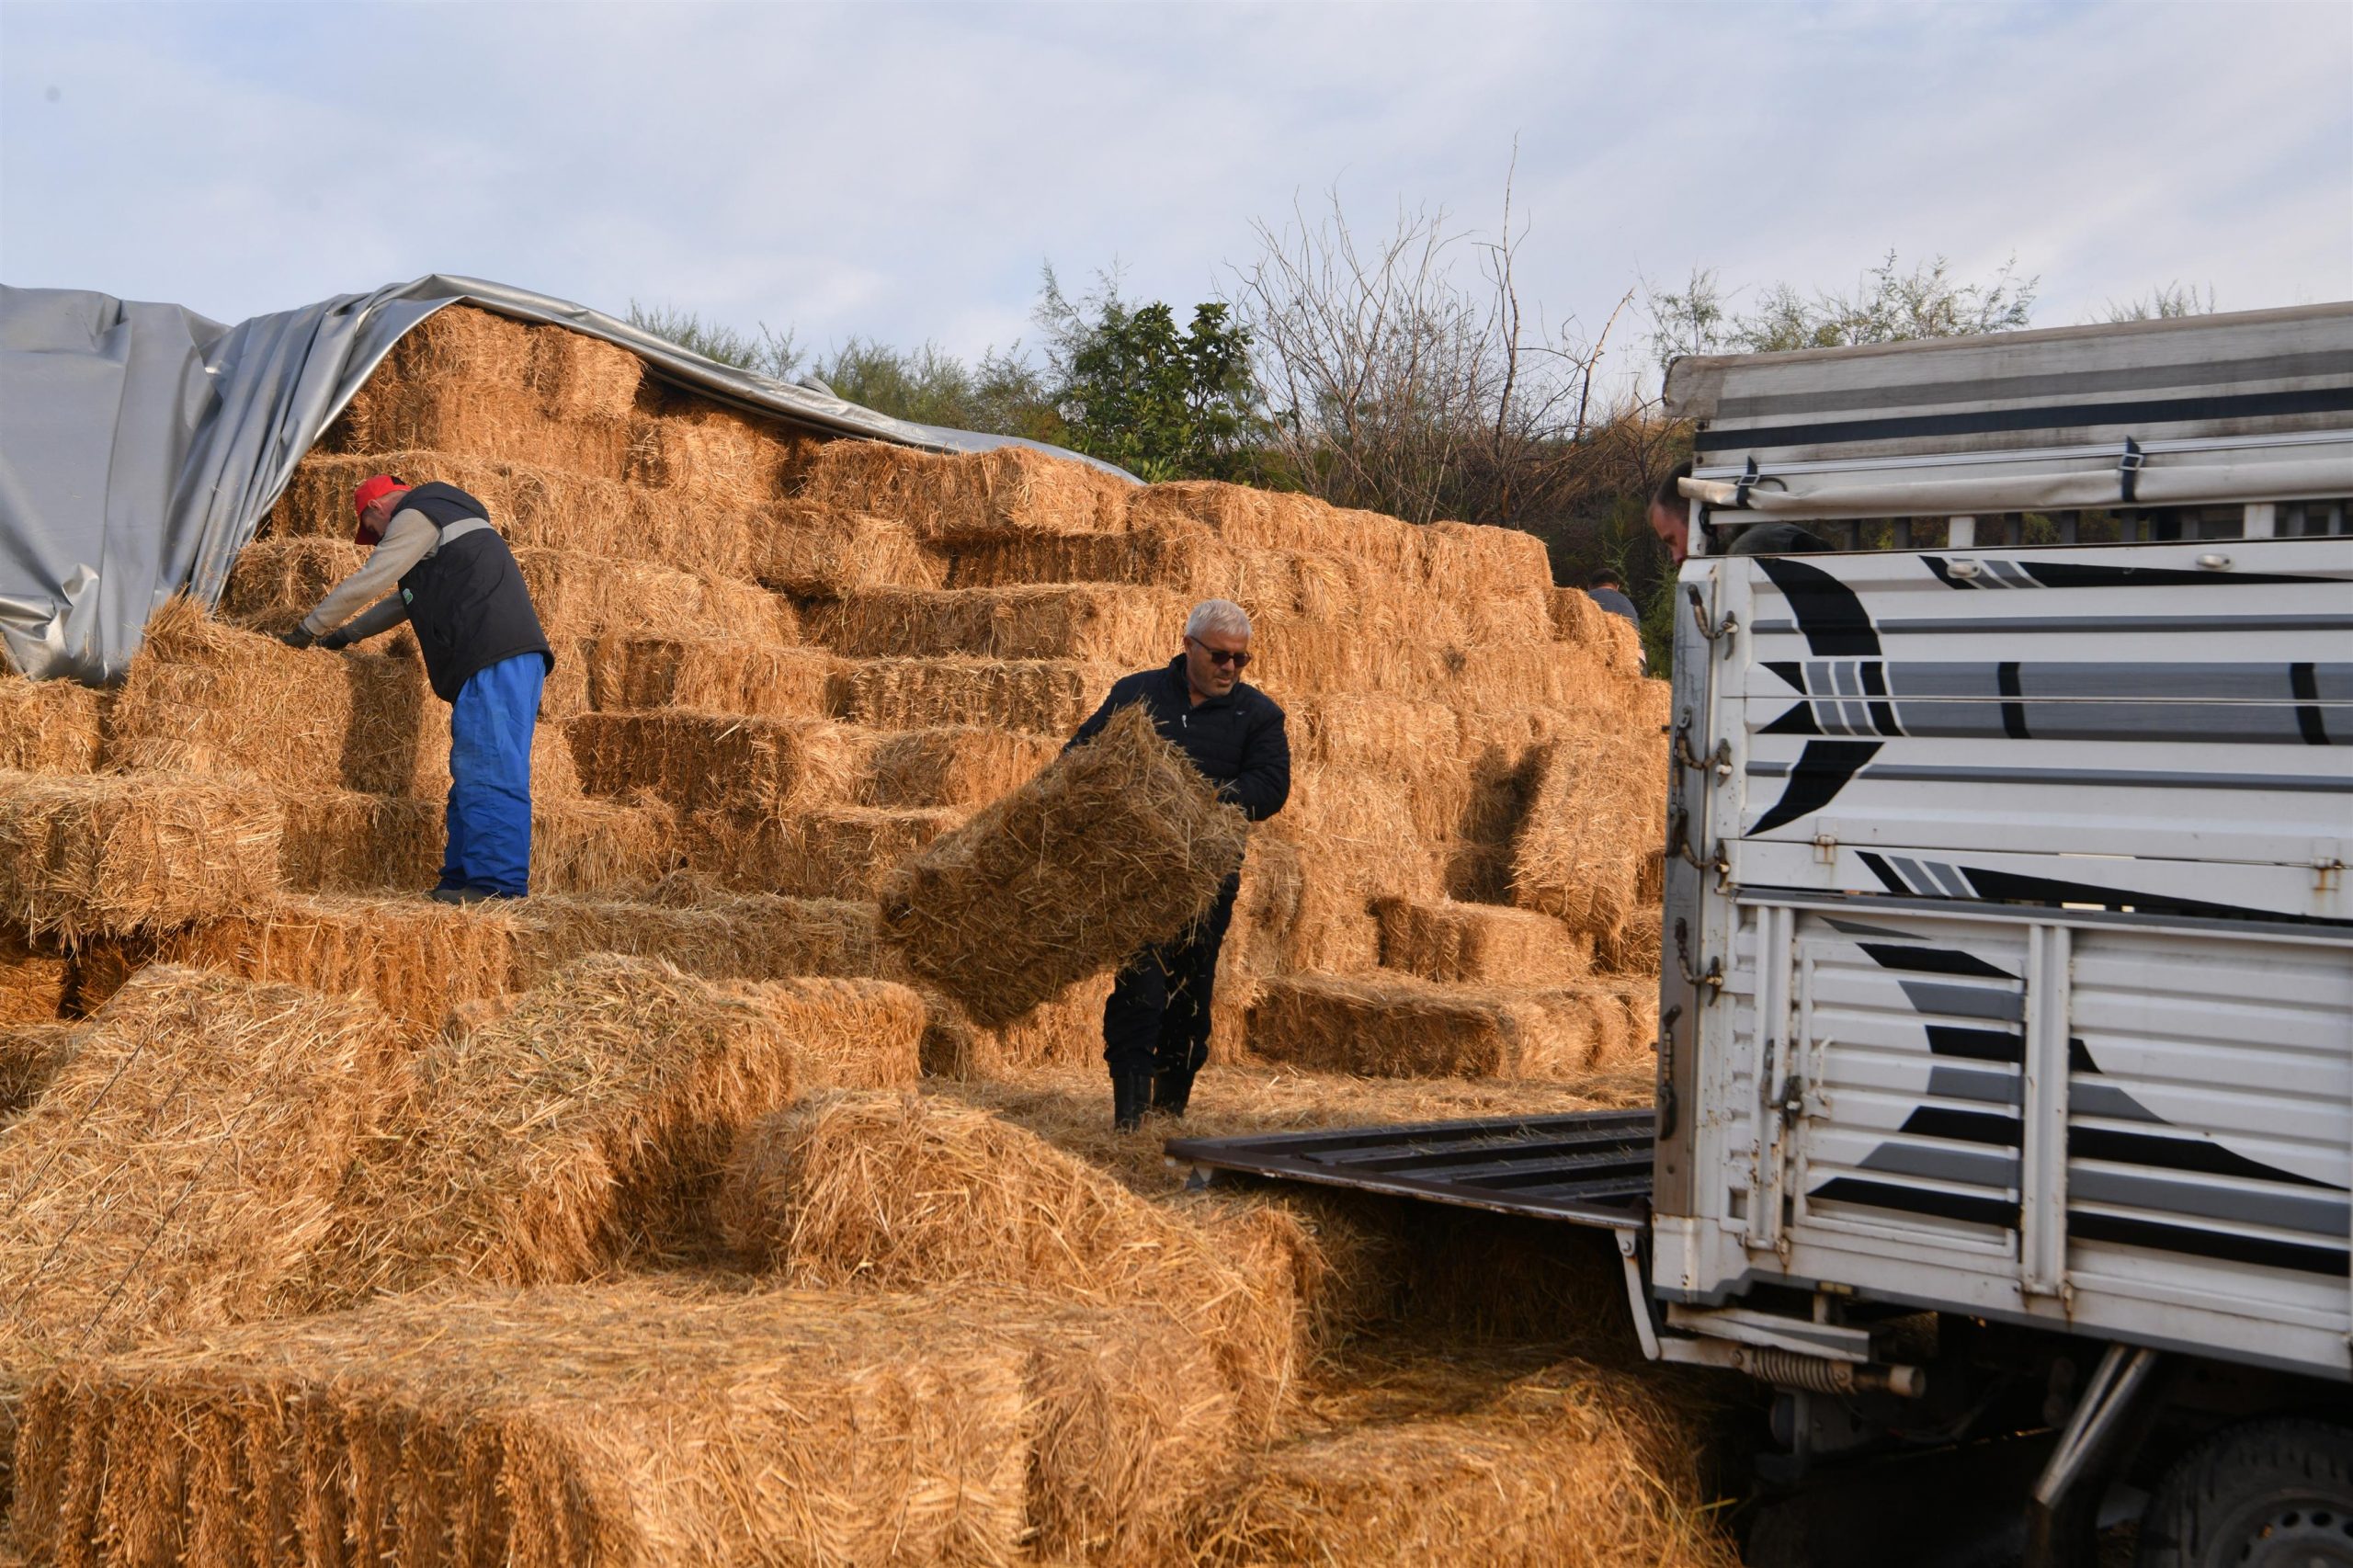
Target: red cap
372	491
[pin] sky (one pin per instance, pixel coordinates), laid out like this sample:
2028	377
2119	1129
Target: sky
901	172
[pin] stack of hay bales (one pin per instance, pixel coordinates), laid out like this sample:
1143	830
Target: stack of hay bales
265	1113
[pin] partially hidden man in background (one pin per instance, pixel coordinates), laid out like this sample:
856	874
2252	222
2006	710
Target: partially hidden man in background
439	565
1156	1025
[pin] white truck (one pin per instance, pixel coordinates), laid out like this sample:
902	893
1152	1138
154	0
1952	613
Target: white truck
2006	1061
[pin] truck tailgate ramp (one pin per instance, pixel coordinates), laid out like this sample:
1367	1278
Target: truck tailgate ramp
1590	1167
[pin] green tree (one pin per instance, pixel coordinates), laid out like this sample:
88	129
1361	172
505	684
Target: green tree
765	353
1134	390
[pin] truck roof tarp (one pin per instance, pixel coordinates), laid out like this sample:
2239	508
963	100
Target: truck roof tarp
141	444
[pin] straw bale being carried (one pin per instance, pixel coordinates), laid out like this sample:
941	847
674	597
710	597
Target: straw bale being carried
956	767
581	1127
471	383
721	760
818	852
1594	816
1121	843
183	1158
1481	943
85	855
628	1424
47	726
345	841
1047	695
34	977
1575	1467
1103	623
716	674
914	1191
969	496
1396	1026
847	1034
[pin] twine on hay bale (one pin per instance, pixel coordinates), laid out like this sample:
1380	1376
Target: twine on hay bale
1597	812
1394	1025
1119	844
581	1127
625	1424
47	726
967	496
904	1191
183	1157
1579	1466
103	855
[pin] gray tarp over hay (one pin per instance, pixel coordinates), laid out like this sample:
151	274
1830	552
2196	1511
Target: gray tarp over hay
141	444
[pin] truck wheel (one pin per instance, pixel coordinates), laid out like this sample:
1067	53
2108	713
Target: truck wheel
2271	1493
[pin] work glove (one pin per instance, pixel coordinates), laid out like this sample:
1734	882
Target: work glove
297	638
335	641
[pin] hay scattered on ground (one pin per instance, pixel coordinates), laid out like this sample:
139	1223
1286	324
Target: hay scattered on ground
1395	1025
1598	812
1479	943
629	1424
1119	844
847	1034
909	1191
721	760
1087	622
92	854
714	675
580	1128
969	496
1044	696
1575	1465
47	726
183	1158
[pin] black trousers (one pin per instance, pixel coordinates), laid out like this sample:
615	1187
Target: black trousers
1158	1018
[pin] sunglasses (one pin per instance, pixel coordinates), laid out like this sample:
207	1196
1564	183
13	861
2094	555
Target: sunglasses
1219	657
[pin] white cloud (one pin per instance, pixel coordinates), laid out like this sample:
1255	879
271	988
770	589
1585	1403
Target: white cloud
899	172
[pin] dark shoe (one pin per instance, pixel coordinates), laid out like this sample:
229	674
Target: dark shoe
1130	1097
1171	1092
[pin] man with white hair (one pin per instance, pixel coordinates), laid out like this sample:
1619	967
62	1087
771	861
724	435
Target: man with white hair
1156	1025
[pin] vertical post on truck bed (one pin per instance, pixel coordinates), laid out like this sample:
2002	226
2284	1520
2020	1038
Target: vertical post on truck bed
2042	1218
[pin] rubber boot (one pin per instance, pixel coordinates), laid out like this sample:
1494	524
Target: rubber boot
1172	1091
1130	1097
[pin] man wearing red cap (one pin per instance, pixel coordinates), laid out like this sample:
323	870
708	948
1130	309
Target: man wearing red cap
439	565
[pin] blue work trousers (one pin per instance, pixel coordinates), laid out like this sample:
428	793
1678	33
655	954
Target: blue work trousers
490	777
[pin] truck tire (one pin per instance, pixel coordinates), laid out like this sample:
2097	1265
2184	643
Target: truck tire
2270	1493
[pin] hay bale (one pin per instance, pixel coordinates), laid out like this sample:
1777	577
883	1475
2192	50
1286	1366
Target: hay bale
34	977
82	855
715	675
1050	696
183	1158
473	384
31	1053
1634	947
579	596
959	766
346	841
1597	810
713	760
1481	943
824	553
1577	1465
578	1130
1396	1026
1184	556
717	936
715	455
968	496
904	1191
626	1423
1063	1031
1119	844
274	583
1101	623
47	726
847	1034
820	852
416	959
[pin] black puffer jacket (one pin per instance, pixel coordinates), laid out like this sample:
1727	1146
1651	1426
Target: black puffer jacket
1236	741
